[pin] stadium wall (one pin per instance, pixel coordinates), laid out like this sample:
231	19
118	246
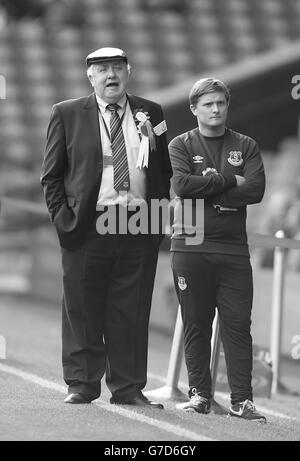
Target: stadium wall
263	103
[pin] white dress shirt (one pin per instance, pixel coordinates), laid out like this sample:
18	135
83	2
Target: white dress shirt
137	192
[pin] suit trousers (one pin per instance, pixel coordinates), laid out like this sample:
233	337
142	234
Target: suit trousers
108	284
204	281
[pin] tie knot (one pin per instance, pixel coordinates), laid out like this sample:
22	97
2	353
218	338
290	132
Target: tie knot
113	107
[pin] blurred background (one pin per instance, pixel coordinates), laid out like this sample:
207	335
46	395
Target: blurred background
253	45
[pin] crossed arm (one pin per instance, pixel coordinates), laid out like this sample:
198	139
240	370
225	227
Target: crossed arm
250	187
188	185
224	189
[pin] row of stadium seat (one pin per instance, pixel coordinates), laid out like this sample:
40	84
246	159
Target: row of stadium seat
167	41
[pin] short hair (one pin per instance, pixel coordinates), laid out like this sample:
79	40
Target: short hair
205	86
92	67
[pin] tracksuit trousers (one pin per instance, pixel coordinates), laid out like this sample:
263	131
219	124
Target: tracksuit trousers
204	282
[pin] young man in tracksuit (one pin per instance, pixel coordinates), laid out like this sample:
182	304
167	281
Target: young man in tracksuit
224	168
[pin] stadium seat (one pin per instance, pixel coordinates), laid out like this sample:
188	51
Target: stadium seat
43	61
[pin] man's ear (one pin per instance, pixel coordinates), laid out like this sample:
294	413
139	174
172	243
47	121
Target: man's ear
90	77
193	110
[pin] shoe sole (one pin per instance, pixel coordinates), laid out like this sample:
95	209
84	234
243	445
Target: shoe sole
194	410
258	420
133	404
81	402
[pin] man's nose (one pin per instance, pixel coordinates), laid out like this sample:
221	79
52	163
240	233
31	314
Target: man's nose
215	107
111	71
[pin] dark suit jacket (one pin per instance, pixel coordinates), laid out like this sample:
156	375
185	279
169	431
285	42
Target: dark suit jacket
72	167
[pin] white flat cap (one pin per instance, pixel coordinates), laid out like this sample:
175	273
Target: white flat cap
106	54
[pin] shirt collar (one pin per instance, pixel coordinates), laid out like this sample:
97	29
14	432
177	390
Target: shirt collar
102	104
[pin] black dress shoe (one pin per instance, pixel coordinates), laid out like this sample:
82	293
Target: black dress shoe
77	398
139	400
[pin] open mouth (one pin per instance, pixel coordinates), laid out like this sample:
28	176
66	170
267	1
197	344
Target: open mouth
112	85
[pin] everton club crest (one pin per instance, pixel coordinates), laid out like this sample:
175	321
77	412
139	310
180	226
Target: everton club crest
182	283
235	158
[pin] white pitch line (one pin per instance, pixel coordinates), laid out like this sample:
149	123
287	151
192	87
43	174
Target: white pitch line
176	430
223	395
163	425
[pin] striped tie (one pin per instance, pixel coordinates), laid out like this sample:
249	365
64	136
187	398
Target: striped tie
119	156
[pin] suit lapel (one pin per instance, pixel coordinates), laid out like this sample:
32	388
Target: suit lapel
91	112
135	104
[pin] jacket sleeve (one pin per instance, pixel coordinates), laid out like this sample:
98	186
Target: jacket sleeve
54	164
188	185
253	189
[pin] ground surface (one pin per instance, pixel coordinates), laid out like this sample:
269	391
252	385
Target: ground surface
32	392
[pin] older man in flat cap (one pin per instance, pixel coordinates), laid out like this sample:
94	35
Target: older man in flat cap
106	157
